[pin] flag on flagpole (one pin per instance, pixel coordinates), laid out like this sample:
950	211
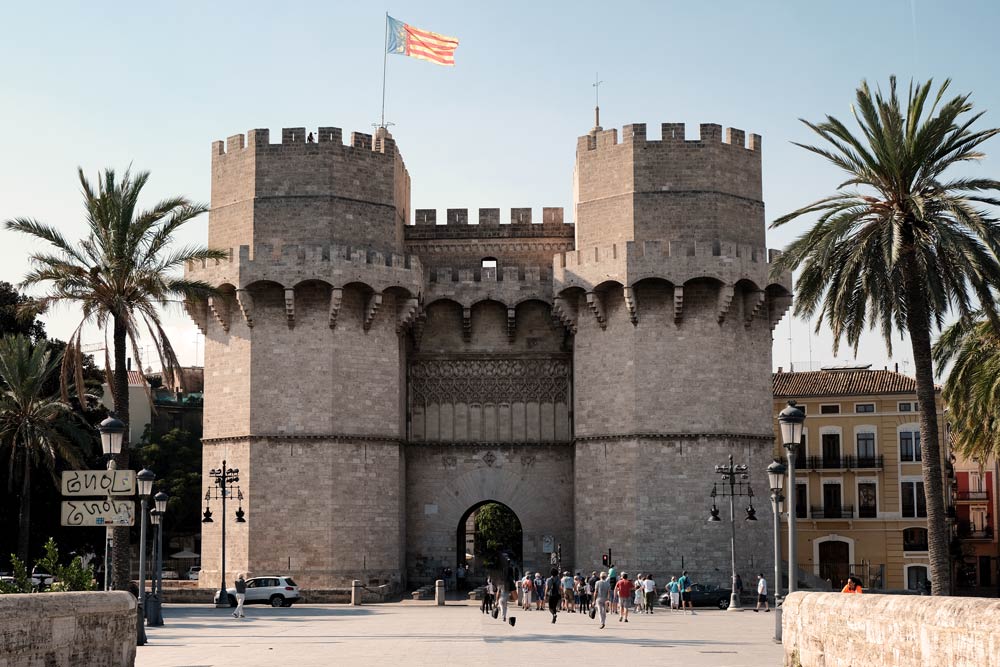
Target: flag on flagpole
405	40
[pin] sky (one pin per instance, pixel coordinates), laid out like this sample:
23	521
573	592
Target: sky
151	85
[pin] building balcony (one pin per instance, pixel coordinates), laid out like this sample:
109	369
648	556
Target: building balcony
971	496
970	531
844	462
841	512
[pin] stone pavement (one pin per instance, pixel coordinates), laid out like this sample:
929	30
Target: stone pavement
418	633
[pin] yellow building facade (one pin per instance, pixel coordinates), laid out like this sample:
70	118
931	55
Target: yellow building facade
860	501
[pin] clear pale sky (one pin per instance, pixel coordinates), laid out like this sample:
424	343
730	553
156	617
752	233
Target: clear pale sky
113	84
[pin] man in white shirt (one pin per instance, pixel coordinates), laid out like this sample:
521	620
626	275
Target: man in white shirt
649	587
761	593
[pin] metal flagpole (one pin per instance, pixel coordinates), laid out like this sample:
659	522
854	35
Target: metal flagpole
385	60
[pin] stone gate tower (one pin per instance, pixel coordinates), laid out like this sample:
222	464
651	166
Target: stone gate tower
377	381
668	294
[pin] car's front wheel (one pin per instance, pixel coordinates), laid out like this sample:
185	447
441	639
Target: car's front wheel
724	603
277	601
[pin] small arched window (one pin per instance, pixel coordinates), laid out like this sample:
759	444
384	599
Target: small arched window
915	539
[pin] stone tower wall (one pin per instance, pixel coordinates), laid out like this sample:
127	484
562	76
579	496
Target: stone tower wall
670	300
305	352
297	192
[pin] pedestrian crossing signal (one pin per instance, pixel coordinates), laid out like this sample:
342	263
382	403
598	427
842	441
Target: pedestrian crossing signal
604	560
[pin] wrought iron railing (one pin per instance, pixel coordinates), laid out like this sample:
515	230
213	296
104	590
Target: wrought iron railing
838	512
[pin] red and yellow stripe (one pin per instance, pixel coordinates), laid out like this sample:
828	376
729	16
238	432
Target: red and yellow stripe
430	46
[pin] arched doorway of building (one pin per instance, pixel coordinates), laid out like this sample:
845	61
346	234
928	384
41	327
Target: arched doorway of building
489	538
835	562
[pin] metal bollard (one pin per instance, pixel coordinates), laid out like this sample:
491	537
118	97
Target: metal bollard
777	620
356	593
439	592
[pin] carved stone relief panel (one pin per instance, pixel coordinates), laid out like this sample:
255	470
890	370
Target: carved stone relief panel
496	380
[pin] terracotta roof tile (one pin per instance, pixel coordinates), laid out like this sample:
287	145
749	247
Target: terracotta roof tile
136	379
842	383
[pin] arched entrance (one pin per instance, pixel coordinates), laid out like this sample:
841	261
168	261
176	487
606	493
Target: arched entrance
489	538
835	562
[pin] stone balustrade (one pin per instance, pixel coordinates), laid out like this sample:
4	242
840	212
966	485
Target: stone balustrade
839	630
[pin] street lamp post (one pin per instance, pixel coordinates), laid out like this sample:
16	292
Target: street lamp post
112	432
791	419
225	482
736	488
154	615
145	477
776	477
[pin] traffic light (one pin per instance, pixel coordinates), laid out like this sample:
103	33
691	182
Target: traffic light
604	560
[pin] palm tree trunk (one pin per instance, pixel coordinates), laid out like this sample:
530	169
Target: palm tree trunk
122	552
24	516
938	535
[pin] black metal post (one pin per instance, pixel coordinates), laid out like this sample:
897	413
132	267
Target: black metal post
141	629
776	499
223	600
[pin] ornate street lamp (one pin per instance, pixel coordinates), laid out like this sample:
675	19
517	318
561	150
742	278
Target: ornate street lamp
145	479
791	420
735	484
112	431
776	478
225	483
154	614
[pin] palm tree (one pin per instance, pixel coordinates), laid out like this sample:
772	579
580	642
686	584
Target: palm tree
900	244
118	275
38	430
972	390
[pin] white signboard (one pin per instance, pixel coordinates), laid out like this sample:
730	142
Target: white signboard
98	482
548	544
98	513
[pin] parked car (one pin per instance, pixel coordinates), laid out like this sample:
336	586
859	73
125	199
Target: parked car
194	572
704	595
41	580
170	574
275	591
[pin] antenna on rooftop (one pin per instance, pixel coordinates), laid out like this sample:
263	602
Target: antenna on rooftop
597	101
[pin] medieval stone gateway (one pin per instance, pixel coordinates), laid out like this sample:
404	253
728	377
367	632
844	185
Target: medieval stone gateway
375	380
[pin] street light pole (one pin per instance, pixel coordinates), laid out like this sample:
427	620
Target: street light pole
145	477
226	480
736	488
791	420
776	476
112	432
154	614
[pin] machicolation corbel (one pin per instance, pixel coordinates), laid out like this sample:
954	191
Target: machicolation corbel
220	309
633	313
511	324
407	312
336	299
596	305
371	308
565	313
245	301
467	324
290	306
678	303
726	293
754	301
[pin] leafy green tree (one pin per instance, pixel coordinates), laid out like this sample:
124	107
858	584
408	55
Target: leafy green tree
972	390
36	430
72	577
497	529
118	275
900	244
12	316
176	458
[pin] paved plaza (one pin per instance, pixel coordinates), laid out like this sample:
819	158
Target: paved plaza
412	633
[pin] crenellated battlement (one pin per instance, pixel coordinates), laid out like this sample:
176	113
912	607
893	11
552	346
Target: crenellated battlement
290	265
323	139
457	224
675	262
671	134
509	285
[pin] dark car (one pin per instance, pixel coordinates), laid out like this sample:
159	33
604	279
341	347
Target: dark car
704	595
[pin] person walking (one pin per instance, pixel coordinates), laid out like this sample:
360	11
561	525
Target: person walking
638	599
739	587
685	585
761	593
602	591
624	589
649	589
241	595
527	588
674	589
502	601
613	579
488	593
567	593
553	592
539	592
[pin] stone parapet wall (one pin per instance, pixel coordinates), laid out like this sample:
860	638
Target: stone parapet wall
837	630
57	629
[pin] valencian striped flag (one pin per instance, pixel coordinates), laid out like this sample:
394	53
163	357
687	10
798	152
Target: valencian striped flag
405	40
